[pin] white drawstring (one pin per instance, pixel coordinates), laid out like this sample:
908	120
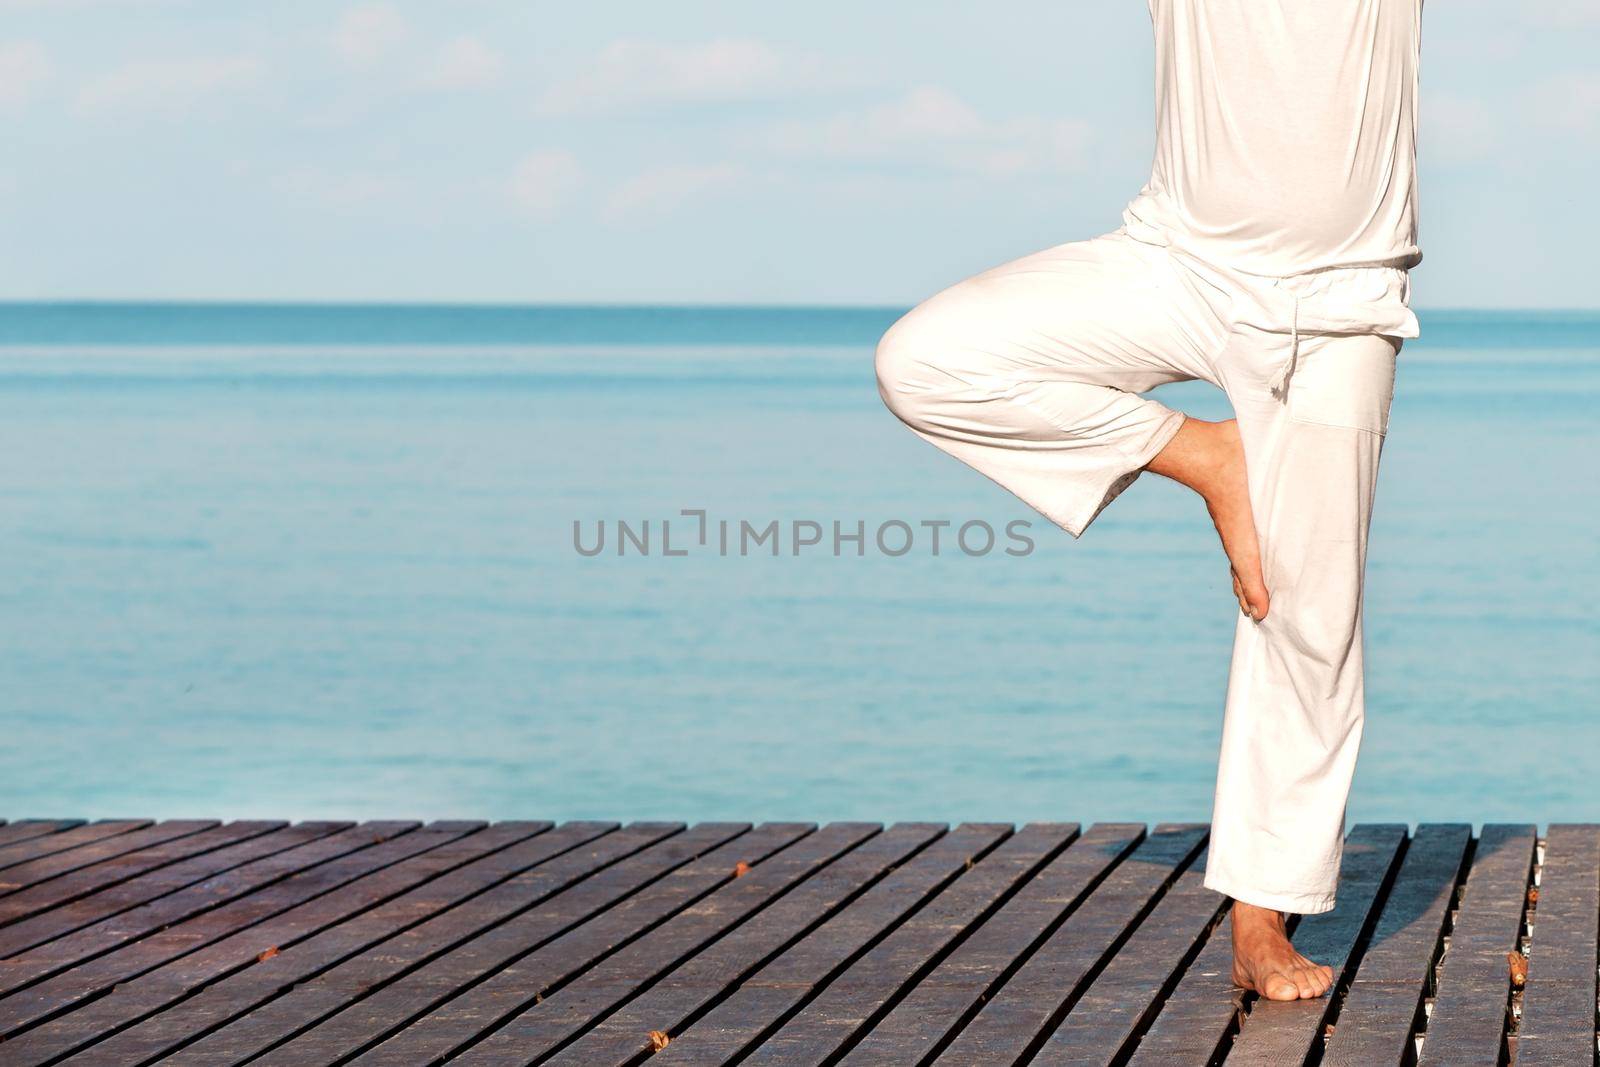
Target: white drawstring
1280	382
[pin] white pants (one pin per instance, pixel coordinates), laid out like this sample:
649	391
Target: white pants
1031	374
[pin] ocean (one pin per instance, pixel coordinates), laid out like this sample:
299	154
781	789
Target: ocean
332	561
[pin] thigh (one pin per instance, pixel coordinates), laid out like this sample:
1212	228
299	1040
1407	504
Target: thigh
1339	380
1345	380
1108	311
1312	460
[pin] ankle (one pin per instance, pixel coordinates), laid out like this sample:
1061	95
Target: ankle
1198	457
1254	916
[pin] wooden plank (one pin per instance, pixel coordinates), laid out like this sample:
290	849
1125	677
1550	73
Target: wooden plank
137	941
23	875
752	1011
582	945
1380	1012
1032	1002
100	876
64	971
1558	1003
242	953
942	1001
48	845
559	888
240	842
1276	1032
739	911
771	991
586	973
1106	1021
870	986
845	946
487	858
1470	1008
27	829
1200	1015
809	909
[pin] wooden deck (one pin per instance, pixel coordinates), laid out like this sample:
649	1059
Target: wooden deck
587	943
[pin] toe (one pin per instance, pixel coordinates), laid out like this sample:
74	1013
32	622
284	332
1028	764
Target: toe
1280	987
1247	603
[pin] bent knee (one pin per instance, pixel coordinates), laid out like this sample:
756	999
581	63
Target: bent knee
898	370
917	361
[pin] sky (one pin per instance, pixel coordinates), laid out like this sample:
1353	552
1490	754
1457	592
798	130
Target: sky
693	151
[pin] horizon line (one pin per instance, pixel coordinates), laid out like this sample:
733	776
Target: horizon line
604	305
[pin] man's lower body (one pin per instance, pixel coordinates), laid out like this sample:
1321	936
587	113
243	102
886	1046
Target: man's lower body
1032	372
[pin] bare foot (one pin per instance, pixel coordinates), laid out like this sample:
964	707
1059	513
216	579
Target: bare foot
1265	962
1208	457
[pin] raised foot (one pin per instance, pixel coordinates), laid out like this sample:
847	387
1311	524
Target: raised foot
1265	962
1208	457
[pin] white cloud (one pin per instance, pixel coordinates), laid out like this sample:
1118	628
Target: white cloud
544	180
465	62
932	128
367	33
24	66
167	85
658	191
630	74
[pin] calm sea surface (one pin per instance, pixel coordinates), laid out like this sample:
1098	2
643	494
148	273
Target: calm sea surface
320	561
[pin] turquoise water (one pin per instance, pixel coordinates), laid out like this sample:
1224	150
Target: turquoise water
320	561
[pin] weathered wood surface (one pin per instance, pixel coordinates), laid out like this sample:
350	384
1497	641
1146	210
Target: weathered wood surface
127	942
1558	1005
1471	1007
1279	1032
1385	1005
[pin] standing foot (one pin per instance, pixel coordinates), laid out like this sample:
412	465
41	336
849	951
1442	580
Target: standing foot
1208	457
1266	963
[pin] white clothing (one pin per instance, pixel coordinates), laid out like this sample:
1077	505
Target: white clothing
1031	373
1285	133
1268	254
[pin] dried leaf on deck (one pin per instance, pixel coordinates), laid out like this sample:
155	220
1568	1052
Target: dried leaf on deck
741	869
1519	968
266	954
659	1040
